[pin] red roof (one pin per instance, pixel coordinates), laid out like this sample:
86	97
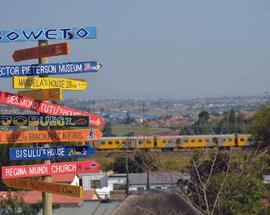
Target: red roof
33	197
63	178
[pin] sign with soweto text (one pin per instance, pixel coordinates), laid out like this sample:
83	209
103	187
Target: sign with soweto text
44	120
48	187
54	152
51	136
46	107
43	94
49	169
41	51
34	34
49	69
21	82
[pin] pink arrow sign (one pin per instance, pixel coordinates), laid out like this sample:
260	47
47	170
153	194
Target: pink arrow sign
46	107
49	169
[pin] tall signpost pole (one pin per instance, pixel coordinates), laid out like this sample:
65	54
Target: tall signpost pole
46	197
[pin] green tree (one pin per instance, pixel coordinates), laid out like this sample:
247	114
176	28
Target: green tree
107	130
260	126
203	124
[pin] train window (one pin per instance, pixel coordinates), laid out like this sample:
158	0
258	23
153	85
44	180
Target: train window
110	142
164	141
102	142
186	140
199	140
140	141
178	141
242	139
192	140
117	142
230	139
207	140
148	141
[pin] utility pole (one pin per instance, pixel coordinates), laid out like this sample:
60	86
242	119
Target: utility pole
127	179
46	197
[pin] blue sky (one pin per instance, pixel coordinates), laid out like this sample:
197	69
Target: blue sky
155	49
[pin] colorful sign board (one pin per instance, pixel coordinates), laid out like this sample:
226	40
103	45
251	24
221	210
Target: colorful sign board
49	69
44	120
43	94
41	51
21	35
54	152
49	169
51	136
48	187
46	107
21	82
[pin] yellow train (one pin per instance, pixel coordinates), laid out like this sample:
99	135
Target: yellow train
173	142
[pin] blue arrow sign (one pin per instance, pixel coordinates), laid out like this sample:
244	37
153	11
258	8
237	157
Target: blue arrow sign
22	35
54	152
49	69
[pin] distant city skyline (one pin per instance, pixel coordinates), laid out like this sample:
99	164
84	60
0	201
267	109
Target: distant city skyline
155	49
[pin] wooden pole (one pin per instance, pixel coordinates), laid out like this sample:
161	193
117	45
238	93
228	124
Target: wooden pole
46	197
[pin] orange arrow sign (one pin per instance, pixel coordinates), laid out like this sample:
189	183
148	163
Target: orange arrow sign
62	189
43	94
42	51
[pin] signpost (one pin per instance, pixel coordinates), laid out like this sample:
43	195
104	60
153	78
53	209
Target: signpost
21	82
54	152
46	107
24	35
48	136
41	51
43	94
49	187
49	69
44	121
49	169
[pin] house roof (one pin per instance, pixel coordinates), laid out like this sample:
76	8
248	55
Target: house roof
63	178
33	197
156	178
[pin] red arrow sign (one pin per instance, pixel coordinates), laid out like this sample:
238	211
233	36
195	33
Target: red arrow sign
49	169
42	51
46	107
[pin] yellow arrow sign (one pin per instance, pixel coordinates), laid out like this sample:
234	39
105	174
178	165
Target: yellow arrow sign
22	82
43	94
30	184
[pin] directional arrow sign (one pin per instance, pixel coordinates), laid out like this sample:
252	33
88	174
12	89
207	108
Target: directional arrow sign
46	107
54	152
41	51
44	120
21	82
49	69
43	94
49	169
51	136
48	187
21	35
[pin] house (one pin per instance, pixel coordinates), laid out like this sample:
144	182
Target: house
71	179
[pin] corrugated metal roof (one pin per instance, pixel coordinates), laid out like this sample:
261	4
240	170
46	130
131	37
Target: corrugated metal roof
88	208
